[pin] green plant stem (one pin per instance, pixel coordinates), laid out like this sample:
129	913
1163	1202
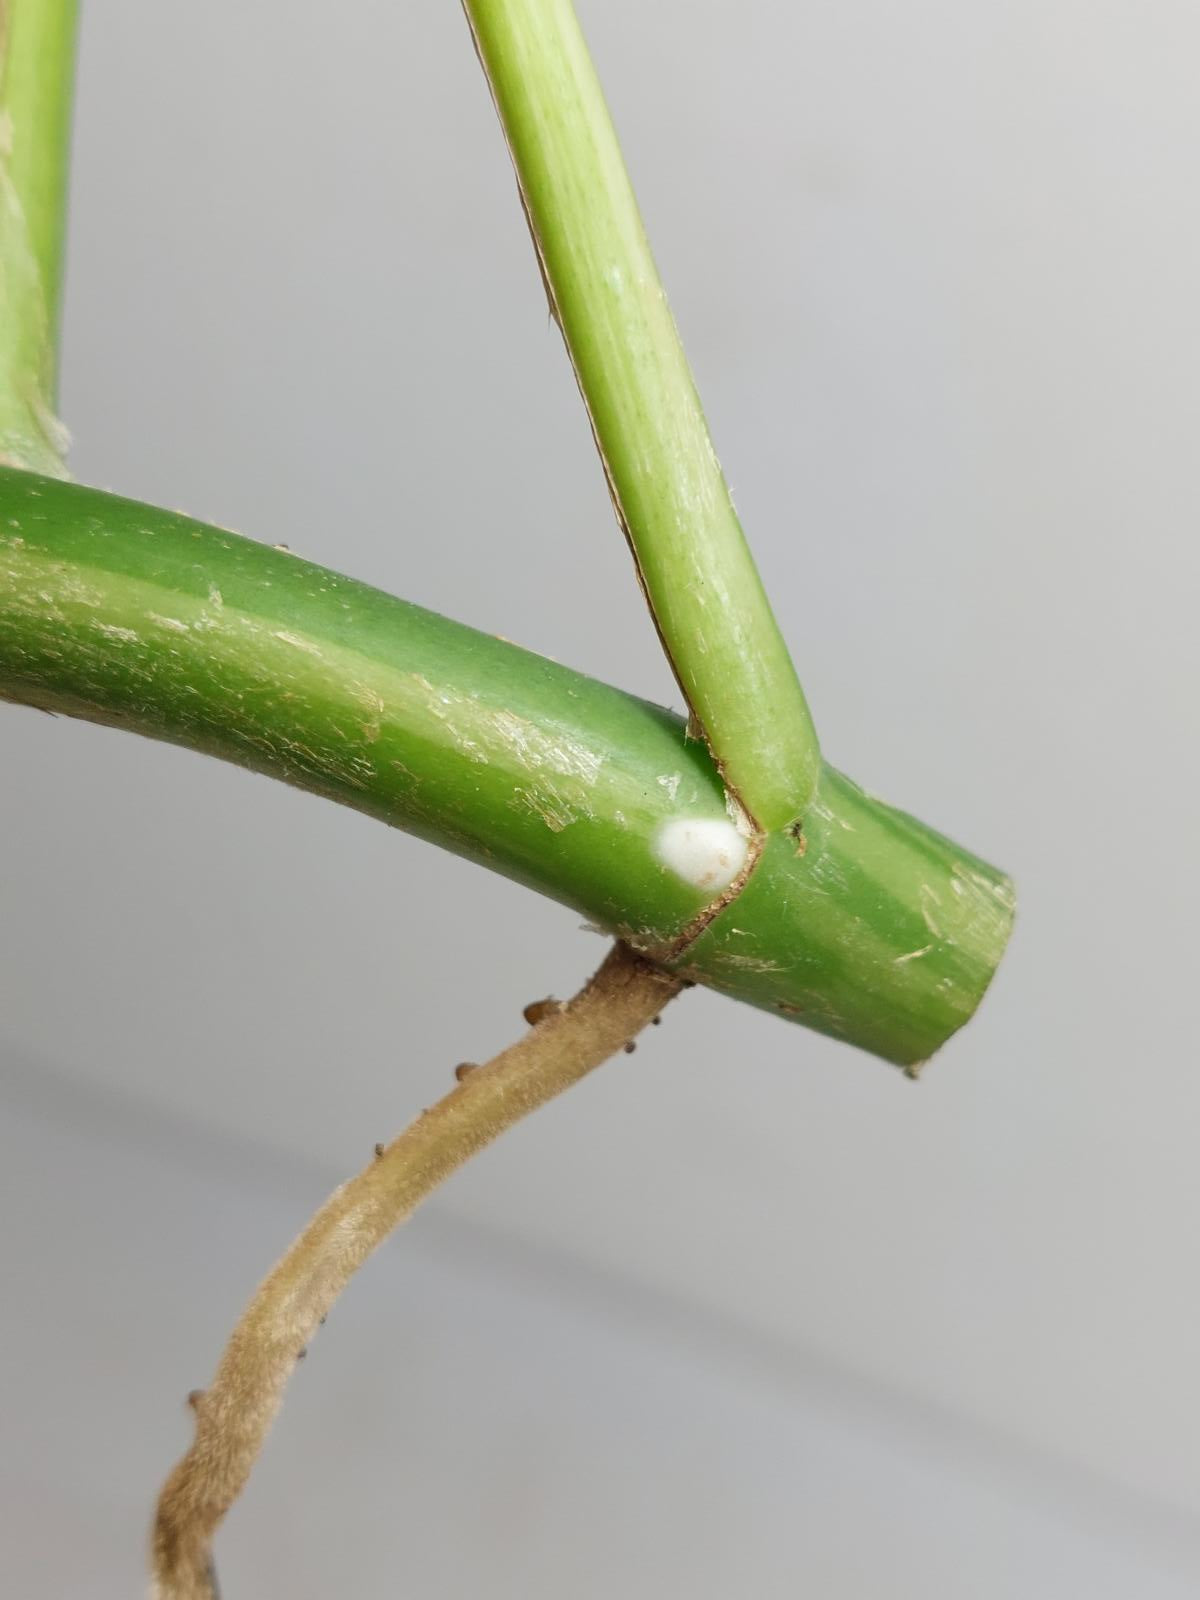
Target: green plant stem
868	926
37	60
670	497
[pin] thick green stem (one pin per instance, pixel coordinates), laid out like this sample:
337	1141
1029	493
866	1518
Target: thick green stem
869	926
37	60
666	483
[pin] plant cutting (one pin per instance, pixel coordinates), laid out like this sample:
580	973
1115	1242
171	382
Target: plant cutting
718	849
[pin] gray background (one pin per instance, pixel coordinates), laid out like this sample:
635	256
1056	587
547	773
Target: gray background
747	1313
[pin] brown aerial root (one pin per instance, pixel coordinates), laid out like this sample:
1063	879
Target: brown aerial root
235	1413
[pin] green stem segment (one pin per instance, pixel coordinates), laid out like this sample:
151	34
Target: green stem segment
869	926
37	58
671	499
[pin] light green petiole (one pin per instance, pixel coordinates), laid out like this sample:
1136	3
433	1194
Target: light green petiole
703	588
37	53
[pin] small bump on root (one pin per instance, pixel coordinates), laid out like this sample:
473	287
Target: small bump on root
538	1010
